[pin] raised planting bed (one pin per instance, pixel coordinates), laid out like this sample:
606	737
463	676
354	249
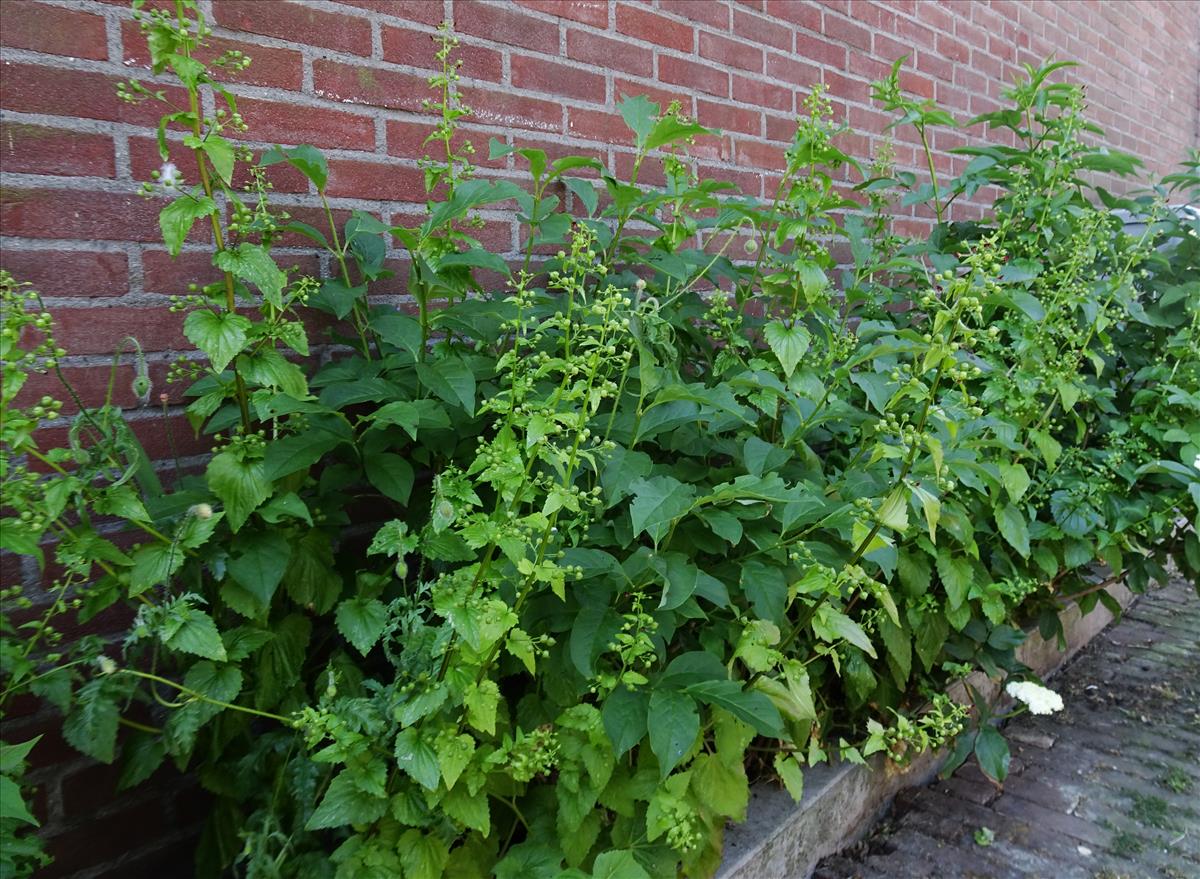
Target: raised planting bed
782	838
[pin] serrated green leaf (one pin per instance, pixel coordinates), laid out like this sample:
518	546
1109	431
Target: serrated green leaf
956	575
176	219
423	855
345	803
361	622
482	700
453	753
252	264
657	502
91	725
259	562
240	484
415	756
674	724
1014	528
197	634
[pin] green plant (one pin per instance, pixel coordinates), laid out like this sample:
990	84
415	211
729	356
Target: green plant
533	583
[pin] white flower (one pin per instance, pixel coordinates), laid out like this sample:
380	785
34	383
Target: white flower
201	511
1196	463
1039	699
169	176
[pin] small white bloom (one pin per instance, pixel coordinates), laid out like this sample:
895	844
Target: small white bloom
1039	699
107	666
1196	463
201	511
169	176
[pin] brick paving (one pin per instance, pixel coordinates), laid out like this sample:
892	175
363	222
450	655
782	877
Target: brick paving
1109	788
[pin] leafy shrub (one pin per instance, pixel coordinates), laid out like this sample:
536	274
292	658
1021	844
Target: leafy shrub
533	583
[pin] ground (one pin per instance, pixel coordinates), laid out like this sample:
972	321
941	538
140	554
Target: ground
1109	788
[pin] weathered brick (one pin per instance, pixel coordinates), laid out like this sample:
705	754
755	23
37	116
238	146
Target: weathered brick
68	272
67	213
299	23
505	24
593	12
36	149
609	53
507	108
371	86
387	180
318	126
694	75
423	11
55	91
761	93
534	74
762	30
402	45
269	65
728	117
714	15
55	30
730	52
642	24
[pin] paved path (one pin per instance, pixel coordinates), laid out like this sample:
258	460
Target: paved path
1109	788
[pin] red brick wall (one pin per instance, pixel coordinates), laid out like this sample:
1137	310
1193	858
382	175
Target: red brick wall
349	76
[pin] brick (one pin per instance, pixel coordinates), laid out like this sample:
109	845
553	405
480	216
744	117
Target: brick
656	93
371	86
728	118
66	213
407	141
712	14
760	155
846	31
34	88
505	24
286	124
54	30
642	24
781	128
730	52
761	93
100	330
609	53
424	11
693	75
507	108
821	50
593	12
299	23
785	70
36	149
145	158
763	31
955	50
355	179
566	80
68	272
598	125
269	66
103	839
847	89
805	13
403	45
